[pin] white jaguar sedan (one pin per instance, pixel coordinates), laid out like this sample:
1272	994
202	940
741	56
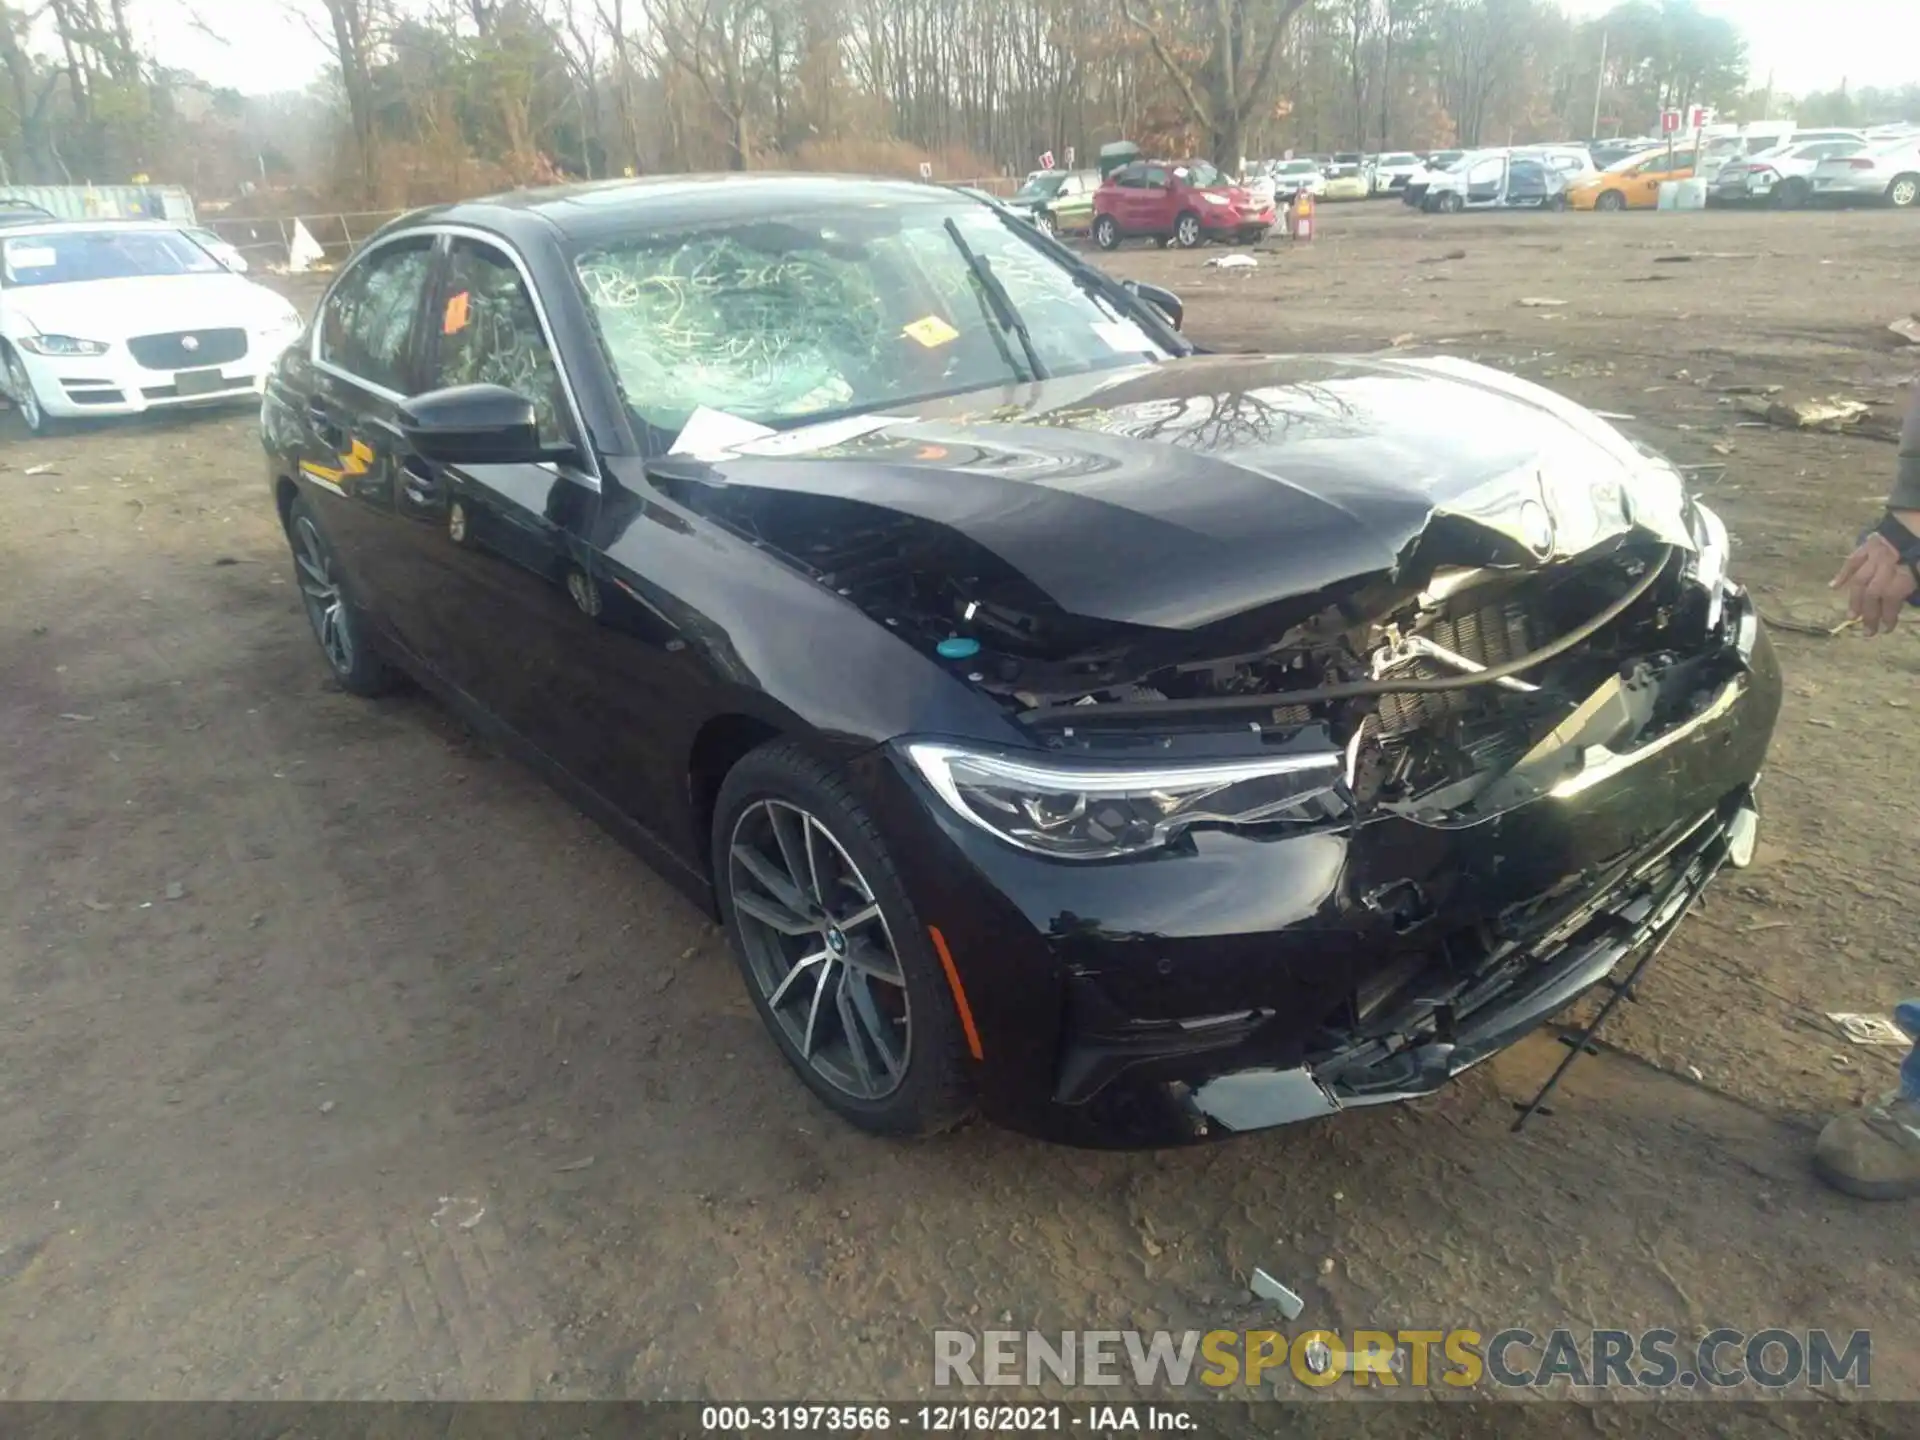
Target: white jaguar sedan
122	317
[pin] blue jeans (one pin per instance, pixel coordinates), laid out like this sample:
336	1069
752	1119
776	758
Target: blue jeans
1907	1016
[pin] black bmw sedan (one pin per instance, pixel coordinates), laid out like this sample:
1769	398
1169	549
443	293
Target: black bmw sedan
1132	743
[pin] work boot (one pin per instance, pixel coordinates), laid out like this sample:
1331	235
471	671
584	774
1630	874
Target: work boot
1873	1152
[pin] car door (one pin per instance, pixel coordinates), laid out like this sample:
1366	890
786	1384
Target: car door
365	362
499	599
1528	184
1485	182
1652	175
1155	202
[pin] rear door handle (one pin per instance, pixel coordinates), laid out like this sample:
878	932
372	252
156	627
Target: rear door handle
420	485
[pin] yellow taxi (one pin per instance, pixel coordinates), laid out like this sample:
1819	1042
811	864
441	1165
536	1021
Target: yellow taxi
1632	183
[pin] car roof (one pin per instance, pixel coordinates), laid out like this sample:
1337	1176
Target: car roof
595	211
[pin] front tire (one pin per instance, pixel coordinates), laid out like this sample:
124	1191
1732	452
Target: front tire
1610	201
1106	233
837	962
1792	194
1904	192
1451	204
1187	233
336	623
1044	222
26	400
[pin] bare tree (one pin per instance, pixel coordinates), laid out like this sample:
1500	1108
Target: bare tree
30	94
1233	77
353	29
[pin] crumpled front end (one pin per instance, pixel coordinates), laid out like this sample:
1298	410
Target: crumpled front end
1506	831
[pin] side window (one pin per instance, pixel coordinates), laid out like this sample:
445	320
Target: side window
1128	177
490	335
1527	173
367	323
1156	177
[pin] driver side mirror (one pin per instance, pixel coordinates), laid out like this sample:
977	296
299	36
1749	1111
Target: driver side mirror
473	425
1165	301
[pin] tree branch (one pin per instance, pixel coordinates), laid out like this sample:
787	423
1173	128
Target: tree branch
1174	72
1288	9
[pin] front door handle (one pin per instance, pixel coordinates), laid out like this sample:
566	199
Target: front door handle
324	425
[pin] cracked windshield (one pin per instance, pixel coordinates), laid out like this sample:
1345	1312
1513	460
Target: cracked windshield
803	317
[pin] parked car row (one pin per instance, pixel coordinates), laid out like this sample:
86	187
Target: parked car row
1788	168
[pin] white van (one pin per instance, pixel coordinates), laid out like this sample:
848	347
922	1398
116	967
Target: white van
1498	180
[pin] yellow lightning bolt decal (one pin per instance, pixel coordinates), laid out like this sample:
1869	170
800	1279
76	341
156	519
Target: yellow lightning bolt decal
354	462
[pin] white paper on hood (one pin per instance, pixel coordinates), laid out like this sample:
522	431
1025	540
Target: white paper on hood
817	437
709	434
1124	337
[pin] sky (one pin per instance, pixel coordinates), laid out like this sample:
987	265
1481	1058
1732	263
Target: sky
1810	45
257	45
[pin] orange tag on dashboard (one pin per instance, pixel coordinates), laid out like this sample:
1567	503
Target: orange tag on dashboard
456	314
931	331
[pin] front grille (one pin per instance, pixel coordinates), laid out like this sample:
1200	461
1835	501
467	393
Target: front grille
172	352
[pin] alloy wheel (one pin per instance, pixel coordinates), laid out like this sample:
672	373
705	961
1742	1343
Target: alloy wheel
1904	192
1045	221
1187	231
819	949
320	592
24	398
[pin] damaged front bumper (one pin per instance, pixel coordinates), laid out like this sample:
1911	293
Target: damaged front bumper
1442	1035
1249	981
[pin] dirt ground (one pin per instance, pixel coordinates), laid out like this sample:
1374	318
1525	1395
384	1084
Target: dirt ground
342	1059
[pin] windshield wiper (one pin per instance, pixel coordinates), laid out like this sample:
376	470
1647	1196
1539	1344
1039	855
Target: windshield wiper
998	299
1101	286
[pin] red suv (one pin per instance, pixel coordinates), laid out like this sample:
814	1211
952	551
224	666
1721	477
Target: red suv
1185	204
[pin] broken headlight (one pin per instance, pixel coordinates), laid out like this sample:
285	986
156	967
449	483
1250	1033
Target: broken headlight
1093	812
1710	560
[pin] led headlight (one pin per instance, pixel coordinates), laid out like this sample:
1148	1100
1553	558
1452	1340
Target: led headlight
62	345
1097	812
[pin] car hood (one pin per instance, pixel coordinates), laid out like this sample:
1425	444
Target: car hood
145	305
1177	494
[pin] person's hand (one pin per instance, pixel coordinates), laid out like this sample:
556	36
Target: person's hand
1877	581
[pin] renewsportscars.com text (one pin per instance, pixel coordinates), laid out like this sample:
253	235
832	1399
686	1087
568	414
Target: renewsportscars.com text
1659	1359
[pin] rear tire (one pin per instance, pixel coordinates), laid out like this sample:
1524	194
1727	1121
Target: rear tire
876	1035
1187	233
1044	222
337	623
1611	201
1106	233
1904	192
1792	194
